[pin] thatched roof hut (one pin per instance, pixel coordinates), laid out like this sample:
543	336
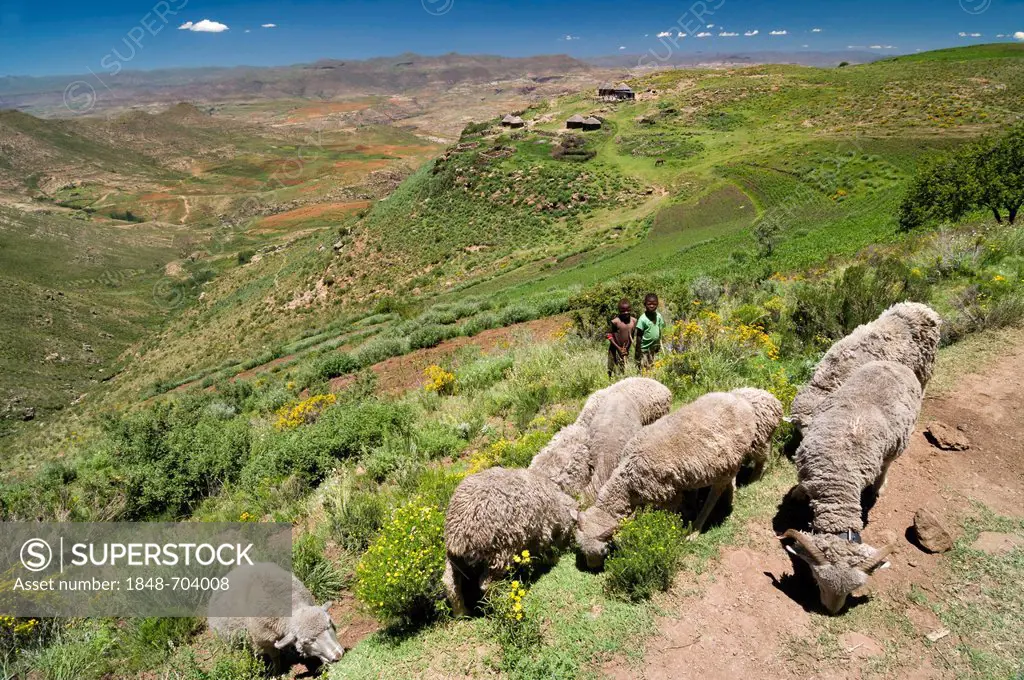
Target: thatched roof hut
507	120
575	123
591	124
516	122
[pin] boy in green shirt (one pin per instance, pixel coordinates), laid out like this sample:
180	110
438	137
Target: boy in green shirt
648	333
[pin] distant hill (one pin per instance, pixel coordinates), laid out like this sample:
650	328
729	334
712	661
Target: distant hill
320	80
689	59
970	53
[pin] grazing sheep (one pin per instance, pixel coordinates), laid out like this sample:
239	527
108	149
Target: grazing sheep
583	455
906	333
703	444
309	628
493	516
856	435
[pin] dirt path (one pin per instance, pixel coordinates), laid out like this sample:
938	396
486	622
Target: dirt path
752	619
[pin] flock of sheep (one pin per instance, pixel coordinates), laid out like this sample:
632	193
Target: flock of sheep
627	451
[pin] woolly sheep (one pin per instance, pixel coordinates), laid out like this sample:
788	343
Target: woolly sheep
703	444
906	333
856	435
493	516
308	630
583	455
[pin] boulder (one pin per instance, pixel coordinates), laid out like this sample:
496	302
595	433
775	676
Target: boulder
931	534
947	438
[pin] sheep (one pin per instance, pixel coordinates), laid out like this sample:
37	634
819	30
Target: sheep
583	455
493	516
859	430
309	629
907	333
703	444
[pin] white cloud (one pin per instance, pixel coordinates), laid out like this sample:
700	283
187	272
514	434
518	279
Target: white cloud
622	47
704	35
1001	35
876	47
268	25
570	37
805	46
711	25
969	35
665	34
856	47
726	34
247	30
680	34
781	32
815	30
882	47
204	26
1019	35
751	34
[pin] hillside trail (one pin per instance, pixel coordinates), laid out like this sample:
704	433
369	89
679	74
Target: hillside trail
751	618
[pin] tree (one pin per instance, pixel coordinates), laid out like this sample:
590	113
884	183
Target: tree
986	175
767	232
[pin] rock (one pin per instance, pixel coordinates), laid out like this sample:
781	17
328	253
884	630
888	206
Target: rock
932	536
993	543
944	437
937	635
28	414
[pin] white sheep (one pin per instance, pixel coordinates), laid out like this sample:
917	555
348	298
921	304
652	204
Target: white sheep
582	456
906	333
493	516
703	444
859	430
309	629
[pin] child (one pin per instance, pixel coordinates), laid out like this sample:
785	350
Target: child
648	333
620	338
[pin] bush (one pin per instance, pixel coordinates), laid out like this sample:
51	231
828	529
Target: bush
335	364
517	313
483	373
245	256
435	440
646	554
594	307
356	518
399	576
428	336
479	323
380	349
311	566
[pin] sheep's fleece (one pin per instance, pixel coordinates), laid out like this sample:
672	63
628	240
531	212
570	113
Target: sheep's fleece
309	629
859	430
906	333
583	455
493	516
702	444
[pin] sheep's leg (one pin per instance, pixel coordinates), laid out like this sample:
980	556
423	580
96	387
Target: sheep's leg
713	495
879	485
454	591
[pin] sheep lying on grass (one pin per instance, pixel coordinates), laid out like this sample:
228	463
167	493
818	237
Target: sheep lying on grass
582	456
906	333
493	516
703	444
856	435
308	630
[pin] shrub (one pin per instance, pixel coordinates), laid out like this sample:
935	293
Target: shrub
311	566
511	453
439	380
594	307
479	323
380	349
646	554
435	440
245	256
335	364
356	517
517	313
483	373
428	336
304	412
399	576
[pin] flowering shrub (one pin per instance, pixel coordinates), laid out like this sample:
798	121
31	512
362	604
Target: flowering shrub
510	453
516	625
399	576
439	380
646	554
304	412
708	331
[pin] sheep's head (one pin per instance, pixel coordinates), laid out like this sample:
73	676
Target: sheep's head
593	535
839	566
312	633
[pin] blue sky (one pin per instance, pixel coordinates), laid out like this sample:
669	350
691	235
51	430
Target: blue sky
60	37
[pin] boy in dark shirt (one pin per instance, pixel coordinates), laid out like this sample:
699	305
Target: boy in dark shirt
620	338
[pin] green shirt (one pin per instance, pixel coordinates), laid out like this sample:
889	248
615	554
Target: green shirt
649	332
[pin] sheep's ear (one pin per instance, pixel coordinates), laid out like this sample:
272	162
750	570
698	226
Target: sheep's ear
285	641
326	606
